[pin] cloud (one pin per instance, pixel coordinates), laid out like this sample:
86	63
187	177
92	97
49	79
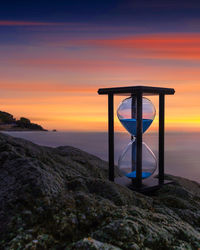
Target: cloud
34	23
70	26
46	87
26	23
161	46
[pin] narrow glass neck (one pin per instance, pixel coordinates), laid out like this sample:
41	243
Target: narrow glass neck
133	138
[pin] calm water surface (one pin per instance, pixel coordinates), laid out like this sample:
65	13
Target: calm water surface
182	150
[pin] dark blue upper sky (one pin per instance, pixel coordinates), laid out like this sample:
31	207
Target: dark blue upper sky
101	11
99	18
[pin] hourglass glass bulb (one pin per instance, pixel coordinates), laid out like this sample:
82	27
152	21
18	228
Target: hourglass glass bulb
127	161
127	115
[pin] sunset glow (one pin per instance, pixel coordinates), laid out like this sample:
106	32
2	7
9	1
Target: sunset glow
51	71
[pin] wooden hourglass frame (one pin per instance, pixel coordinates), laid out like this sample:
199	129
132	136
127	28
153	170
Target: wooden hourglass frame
138	92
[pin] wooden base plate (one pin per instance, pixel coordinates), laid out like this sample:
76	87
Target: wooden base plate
148	185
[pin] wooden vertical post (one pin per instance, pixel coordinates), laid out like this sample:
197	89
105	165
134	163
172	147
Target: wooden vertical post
133	150
161	137
111	137
139	141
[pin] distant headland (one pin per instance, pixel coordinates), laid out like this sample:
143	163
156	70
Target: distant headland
9	123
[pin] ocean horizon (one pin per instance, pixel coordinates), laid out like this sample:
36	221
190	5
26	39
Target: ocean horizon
182	150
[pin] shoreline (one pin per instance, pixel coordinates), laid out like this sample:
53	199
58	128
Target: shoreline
24	130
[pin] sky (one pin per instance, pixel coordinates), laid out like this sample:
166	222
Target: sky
55	55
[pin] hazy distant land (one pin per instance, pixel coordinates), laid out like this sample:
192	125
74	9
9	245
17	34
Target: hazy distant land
9	123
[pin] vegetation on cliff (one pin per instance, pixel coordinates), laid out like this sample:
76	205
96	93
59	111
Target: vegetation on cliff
60	198
8	122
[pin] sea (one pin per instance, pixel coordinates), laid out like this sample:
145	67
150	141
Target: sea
182	150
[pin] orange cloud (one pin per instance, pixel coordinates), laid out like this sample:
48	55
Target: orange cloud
46	87
59	87
69	63
83	69
161	46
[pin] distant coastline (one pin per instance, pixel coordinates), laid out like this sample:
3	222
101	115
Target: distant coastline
9	123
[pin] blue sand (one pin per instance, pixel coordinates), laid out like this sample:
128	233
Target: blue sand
130	125
133	175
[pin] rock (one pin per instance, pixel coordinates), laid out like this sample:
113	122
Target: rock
60	198
9	123
89	243
6	118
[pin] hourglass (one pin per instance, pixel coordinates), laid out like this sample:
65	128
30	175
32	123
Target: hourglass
126	113
137	163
